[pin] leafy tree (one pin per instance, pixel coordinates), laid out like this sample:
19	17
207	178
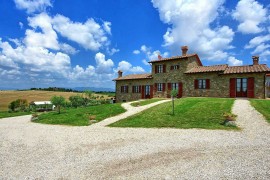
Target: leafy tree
19	103
88	93
76	101
58	101
173	94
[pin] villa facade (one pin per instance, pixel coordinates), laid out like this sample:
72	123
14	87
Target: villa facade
190	78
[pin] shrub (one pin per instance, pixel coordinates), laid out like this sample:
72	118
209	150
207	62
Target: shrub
76	101
18	105
58	101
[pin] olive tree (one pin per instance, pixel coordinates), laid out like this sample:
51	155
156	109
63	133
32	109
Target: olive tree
58	101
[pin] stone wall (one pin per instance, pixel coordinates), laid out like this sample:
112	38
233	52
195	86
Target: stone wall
120	97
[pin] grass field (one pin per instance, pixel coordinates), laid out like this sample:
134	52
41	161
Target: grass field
203	113
80	116
263	106
5	114
7	96
145	102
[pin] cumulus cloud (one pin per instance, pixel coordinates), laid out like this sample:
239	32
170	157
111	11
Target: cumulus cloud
261	46
136	52
234	62
89	35
112	51
250	15
149	54
127	67
189	23
103	66
32	6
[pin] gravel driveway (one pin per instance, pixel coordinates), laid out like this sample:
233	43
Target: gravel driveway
37	151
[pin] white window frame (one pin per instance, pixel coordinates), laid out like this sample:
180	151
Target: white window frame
159	87
202	83
159	68
175	86
136	89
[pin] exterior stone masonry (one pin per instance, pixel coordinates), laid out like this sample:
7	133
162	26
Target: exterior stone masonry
187	72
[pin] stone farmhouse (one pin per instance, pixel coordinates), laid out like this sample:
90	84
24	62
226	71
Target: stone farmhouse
190	78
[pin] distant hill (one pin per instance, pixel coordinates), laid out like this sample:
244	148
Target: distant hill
93	89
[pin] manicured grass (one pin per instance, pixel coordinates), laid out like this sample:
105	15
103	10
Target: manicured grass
145	102
263	106
5	114
203	113
80	116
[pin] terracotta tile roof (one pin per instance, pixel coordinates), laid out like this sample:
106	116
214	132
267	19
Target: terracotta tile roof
267	74
214	68
134	76
172	58
247	69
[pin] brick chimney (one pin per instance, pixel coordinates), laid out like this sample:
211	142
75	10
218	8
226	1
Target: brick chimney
159	57
184	50
255	60
120	73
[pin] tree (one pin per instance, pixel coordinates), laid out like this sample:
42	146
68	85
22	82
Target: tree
19	103
76	101
173	94
88	93
58	101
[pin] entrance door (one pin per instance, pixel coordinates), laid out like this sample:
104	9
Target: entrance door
147	92
241	87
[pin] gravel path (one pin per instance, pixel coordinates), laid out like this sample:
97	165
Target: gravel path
37	151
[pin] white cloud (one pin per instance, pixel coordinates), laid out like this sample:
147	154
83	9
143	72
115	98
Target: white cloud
107	26
250	15
112	51
32	6
89	35
257	41
136	52
145	62
21	25
127	67
190	25
103	66
234	62
261	46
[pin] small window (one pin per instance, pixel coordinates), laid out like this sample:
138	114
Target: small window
175	86
136	89
174	67
202	83
159	86
160	69
124	89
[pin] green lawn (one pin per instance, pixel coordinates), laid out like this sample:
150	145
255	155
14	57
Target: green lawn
145	102
203	113
80	116
263	106
5	114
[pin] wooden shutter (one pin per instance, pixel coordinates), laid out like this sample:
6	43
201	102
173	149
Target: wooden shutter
156	89
196	84
250	87
169	90
133	89
207	83
122	89
180	90
151	91
164	68
140	89
171	68
156	69
232	87
142	92
164	87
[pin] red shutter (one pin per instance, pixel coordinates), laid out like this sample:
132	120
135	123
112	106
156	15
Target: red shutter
140	89
164	87
156	89
164	68
156	68
232	88
180	90
151	91
250	87
196	84
207	83
169	90
142	92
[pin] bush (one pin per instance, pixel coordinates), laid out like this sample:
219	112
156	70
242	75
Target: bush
76	101
18	105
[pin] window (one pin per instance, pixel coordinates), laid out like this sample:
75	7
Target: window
173	67
159	86
175	86
124	89
202	83
136	89
159	69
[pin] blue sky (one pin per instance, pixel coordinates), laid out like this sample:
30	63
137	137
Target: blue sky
84	43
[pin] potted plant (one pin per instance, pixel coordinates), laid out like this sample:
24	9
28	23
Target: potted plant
229	119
